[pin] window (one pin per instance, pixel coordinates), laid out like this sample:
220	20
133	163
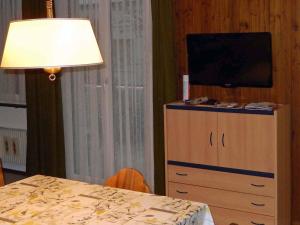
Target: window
108	109
12	82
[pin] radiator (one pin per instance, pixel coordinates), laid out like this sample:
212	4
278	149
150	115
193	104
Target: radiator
13	138
13	148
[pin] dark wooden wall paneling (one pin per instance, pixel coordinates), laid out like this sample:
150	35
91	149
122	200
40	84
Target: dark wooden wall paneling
282	19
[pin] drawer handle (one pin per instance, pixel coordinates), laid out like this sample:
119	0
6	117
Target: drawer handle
181	192
251	223
257	204
210	139
257	223
182	174
258	185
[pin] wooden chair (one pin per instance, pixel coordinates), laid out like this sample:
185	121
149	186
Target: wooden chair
130	179
1	175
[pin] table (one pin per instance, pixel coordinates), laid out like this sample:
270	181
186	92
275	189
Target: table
40	200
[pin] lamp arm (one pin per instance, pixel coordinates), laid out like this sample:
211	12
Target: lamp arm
51	71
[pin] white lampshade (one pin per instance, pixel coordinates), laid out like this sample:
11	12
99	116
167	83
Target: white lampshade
47	43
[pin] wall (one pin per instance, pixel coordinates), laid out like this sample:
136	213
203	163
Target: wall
282	19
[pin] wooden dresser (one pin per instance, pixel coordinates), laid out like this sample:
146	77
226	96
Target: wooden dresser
235	160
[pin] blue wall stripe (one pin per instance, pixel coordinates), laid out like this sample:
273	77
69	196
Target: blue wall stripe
215	109
222	169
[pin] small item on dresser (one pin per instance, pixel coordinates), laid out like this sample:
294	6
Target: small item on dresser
233	105
228	105
198	101
211	101
268	106
185	88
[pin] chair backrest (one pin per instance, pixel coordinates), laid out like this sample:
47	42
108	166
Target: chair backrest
130	179
1	174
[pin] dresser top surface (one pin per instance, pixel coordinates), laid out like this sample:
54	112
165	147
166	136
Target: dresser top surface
213	108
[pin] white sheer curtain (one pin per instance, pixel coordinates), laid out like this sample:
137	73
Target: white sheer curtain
12	83
108	109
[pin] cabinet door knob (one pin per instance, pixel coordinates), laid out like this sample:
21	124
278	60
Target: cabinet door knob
210	138
258	185
223	140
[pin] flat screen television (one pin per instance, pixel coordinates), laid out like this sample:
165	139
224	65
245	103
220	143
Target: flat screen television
230	59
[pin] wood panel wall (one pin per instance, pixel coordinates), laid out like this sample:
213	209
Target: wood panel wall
282	19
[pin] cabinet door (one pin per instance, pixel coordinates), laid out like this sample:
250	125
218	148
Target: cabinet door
204	137
178	145
246	141
192	136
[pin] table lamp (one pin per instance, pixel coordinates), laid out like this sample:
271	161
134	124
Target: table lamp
50	44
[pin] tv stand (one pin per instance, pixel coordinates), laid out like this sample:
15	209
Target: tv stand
235	160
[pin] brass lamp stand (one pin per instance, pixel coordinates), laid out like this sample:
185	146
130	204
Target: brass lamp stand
51	70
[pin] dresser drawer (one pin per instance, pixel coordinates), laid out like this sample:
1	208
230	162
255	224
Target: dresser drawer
224	199
221	180
223	216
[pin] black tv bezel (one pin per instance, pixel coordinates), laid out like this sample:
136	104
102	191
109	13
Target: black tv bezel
228	85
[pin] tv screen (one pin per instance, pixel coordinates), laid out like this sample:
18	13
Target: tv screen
230	59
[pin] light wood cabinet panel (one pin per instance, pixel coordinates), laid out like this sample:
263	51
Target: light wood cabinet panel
247	141
223	216
227	181
242	170
178	135
192	136
221	198
203	137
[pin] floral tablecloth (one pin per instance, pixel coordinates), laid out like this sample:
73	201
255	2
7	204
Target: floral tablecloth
47	200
